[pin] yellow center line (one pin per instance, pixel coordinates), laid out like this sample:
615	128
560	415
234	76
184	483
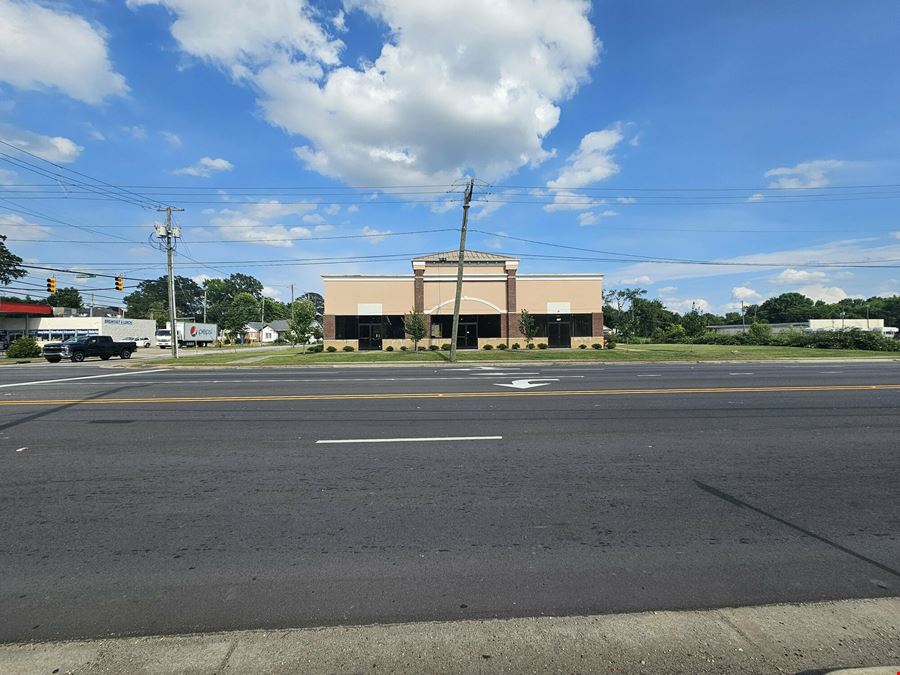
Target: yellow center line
467	394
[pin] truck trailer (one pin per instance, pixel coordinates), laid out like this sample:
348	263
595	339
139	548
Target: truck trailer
189	334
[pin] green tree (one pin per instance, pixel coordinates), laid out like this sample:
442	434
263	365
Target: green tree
788	307
23	348
66	297
302	321
527	326
220	293
10	264
317	300
760	333
693	323
244	309
153	294
414	326
275	310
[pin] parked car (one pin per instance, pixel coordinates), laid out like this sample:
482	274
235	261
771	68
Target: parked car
79	348
140	341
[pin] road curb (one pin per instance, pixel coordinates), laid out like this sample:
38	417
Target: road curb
827	637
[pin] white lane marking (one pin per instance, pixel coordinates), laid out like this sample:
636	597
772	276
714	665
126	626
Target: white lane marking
326	380
657	375
85	377
830	372
740	373
424	439
528	383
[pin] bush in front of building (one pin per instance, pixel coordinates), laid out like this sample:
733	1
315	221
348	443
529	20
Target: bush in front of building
23	348
445	347
315	349
582	346
610	343
331	348
530	345
516	345
543	345
389	348
488	347
502	346
433	348
348	348
596	345
402	348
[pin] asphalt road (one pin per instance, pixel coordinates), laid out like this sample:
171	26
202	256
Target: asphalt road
160	501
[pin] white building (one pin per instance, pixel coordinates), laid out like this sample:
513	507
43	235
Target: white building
58	328
873	325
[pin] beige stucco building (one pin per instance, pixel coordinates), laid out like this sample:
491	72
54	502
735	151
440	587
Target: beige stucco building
366	311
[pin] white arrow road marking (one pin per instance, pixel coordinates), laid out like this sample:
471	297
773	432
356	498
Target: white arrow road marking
528	384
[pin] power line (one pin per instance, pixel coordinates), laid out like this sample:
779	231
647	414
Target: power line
58	176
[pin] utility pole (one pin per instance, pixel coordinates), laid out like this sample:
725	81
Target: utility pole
743	322
91	310
204	305
459	270
170	234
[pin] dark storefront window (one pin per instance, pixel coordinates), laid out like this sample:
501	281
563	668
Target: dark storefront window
579	324
370	327
488	325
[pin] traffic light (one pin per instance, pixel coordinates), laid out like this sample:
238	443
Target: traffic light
120	281
51	285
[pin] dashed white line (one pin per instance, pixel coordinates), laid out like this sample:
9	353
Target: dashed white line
656	375
85	377
424	439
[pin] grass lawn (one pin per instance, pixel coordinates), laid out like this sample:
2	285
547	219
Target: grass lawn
622	353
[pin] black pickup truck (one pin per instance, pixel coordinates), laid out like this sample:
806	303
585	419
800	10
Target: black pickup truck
79	348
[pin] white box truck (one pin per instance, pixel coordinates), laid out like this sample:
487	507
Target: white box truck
189	334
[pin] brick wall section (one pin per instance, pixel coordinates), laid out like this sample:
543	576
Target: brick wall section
597	324
420	290
509	327
328	326
514	332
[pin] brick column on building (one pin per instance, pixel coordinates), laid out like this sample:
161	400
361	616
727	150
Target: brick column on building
419	293
597	327
328	326
511	323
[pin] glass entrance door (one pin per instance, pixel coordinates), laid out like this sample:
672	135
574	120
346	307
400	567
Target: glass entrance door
369	336
559	334
467	338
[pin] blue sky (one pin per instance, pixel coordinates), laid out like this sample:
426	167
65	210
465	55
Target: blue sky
645	131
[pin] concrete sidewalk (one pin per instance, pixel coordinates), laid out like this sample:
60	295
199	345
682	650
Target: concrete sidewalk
810	638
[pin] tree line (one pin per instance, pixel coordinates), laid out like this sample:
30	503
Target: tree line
633	315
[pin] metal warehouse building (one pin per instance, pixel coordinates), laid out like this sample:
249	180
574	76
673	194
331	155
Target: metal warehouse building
366	311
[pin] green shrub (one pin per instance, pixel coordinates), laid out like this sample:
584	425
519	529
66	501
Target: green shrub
582	346
515	345
502	346
445	347
315	349
402	348
596	345
530	345
389	348
23	348
348	348
433	348
610	343
330	348
543	345
488	347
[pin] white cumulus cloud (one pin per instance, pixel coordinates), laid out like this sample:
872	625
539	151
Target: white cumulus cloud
45	47
374	236
16	227
171	138
256	223
435	103
745	293
702	305
205	167
792	276
58	149
825	293
592	162
804	175
638	281
756	197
